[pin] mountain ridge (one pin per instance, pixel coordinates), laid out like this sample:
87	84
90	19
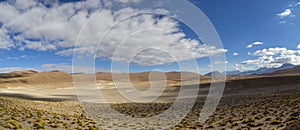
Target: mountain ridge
260	71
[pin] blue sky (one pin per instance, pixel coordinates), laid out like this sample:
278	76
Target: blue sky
240	23
30	39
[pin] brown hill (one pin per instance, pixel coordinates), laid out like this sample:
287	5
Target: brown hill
16	74
29	77
144	76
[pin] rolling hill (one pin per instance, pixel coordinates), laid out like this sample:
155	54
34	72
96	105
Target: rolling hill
260	71
144	76
30	77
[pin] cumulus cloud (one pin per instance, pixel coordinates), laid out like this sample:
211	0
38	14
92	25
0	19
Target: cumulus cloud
55	26
5	41
35	26
273	57
235	54
254	43
273	51
285	13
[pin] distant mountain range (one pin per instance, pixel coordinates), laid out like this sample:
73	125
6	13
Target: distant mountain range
260	71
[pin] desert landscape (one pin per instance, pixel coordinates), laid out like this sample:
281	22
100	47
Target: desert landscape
47	100
149	64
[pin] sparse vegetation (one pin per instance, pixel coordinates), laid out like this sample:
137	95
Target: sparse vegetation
253	111
15	114
20	117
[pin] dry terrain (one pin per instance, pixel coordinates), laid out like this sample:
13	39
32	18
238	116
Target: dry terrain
47	100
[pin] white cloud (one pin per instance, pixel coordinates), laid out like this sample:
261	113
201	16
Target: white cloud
68	68
294	4
16	57
273	57
285	13
24	5
242	67
11	69
5	41
292	15
39	27
23	56
220	62
282	22
254	43
272	51
61	67
235	54
64	67
298	46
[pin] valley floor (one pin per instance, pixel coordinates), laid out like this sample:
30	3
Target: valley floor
265	110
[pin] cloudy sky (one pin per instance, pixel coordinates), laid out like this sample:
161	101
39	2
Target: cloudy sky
42	35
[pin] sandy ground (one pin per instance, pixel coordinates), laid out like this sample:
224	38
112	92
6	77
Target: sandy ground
89	93
250	103
38	107
33	93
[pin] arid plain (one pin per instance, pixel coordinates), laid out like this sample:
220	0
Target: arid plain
47	100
